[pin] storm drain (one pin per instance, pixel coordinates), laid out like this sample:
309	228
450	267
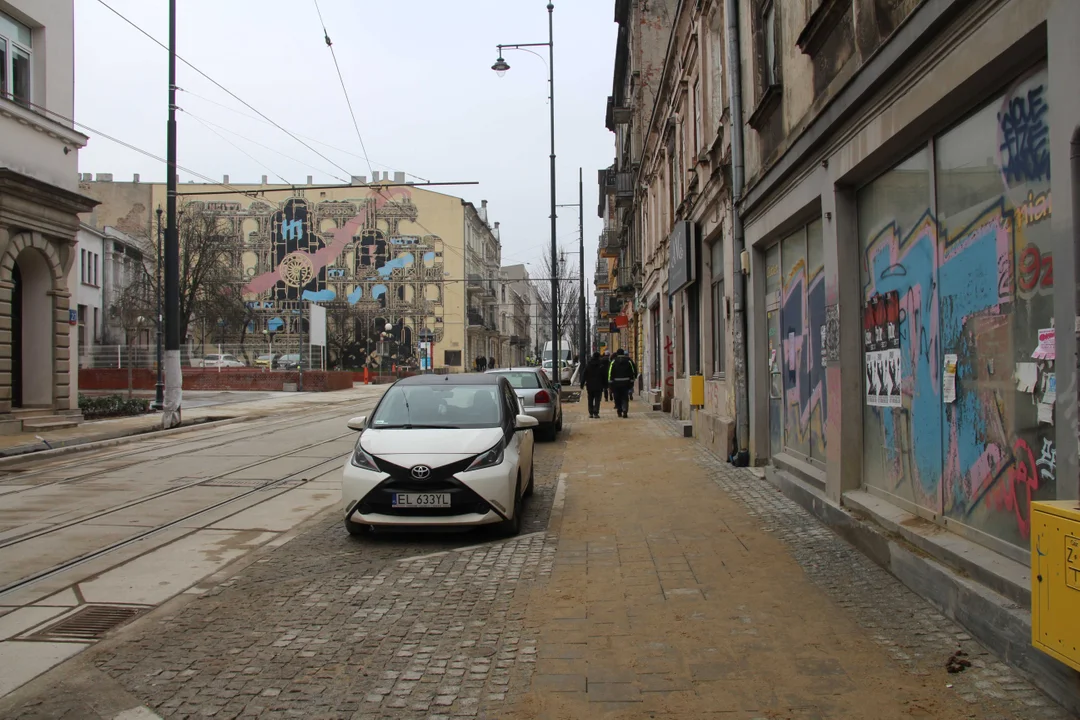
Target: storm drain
89	623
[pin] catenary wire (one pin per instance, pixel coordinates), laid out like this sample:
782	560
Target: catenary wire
344	90
223	88
230	142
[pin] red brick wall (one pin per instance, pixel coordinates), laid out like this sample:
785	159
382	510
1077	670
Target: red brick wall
225	379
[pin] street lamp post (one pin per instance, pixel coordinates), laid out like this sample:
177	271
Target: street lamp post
269	335
159	386
500	67
583	346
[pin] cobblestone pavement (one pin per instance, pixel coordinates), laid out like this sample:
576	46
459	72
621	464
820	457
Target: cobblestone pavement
667	585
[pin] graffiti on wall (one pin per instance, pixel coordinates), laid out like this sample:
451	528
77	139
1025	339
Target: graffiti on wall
802	317
978	285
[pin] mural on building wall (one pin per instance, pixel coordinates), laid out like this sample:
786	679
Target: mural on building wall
975	282
348	256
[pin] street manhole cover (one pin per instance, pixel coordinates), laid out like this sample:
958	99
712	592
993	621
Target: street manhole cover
89	623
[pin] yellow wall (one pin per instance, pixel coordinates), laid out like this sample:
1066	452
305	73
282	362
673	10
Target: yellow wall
388	238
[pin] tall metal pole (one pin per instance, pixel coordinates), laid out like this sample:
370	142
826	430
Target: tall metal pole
581	267
173	378
159	386
556	365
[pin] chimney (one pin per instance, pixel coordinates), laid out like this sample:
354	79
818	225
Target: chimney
263	179
225	179
483	211
309	180
136	178
399	177
88	177
495	232
104	177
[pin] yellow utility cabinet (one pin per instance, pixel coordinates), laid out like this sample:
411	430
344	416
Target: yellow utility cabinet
697	390
1055	579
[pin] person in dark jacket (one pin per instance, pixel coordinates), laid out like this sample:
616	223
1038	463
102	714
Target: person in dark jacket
621	376
606	361
594	382
491	363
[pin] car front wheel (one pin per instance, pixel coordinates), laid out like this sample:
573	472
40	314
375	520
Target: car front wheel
356	529
512	526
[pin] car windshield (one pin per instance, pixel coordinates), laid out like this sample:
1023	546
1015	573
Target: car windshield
442	406
522	380
265	357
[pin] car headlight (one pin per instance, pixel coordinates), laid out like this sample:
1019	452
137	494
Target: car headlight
361	459
491	458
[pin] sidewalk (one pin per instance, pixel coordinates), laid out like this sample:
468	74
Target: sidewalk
669	597
110	429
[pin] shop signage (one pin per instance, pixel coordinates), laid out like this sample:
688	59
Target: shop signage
681	260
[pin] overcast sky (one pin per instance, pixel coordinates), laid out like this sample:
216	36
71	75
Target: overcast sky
418	74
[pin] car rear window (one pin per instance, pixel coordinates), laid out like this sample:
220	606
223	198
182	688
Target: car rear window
523	380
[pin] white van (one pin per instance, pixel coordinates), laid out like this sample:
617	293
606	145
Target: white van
566	366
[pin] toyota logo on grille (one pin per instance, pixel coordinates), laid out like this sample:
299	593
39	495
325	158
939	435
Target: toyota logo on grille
421	472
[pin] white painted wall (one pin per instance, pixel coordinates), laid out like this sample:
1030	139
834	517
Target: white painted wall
31	142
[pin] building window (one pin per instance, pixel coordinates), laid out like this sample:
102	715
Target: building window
82	266
695	99
452	358
82	327
769	49
97	321
14	60
718	308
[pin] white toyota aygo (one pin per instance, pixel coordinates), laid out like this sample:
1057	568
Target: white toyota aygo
443	451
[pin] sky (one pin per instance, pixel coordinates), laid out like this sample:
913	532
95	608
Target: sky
418	73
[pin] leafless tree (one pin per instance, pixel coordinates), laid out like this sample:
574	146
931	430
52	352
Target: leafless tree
568	322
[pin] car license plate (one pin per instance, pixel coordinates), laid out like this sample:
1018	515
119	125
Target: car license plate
421	500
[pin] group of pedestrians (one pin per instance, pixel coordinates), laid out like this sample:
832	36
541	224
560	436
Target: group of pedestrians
606	376
483	364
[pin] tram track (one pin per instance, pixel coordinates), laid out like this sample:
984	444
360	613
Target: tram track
232	437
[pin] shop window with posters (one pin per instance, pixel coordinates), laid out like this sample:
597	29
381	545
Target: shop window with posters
957	256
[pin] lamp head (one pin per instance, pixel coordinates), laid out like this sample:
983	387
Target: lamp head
500	67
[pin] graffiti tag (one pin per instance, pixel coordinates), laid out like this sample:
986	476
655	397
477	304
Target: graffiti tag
1025	152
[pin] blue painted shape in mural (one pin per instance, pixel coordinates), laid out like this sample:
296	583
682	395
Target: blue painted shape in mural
356	294
275	324
291	229
429	257
319	296
914	271
378	291
401	261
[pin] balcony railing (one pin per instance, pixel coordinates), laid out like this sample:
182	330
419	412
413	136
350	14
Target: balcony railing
475	319
610	242
624	188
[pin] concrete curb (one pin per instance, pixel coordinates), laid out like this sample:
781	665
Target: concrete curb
66	447
1000	624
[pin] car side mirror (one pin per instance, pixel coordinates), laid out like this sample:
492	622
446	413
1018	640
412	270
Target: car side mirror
525	422
358	423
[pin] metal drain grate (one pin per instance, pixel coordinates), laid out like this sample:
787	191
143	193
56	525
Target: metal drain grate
89	623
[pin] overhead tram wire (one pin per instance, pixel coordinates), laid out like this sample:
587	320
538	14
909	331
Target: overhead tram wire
230	142
344	90
232	189
224	89
306	137
267	147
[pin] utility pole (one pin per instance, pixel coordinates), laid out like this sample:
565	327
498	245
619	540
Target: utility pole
584	351
173	377
556	359
159	386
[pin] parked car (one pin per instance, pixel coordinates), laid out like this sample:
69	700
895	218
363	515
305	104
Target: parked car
442	451
217	360
566	372
269	360
539	397
292	362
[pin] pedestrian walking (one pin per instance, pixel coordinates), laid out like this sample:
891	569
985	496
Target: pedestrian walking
481	363
491	363
594	381
606	360
621	376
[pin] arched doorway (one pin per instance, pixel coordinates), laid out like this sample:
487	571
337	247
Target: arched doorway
32	331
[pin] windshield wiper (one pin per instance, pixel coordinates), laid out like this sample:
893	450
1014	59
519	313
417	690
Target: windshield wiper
410	426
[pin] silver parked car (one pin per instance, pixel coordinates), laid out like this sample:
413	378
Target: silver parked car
539	397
